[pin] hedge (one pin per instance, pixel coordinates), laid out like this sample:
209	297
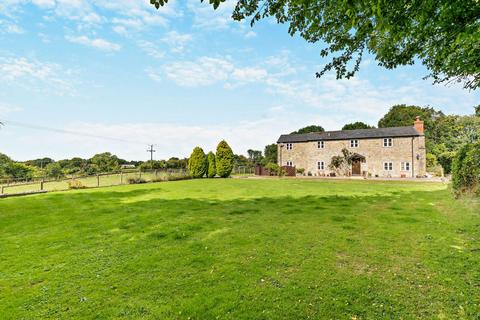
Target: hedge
466	170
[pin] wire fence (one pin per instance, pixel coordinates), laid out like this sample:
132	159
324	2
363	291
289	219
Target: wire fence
39	184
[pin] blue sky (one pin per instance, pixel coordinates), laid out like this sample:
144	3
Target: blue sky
182	76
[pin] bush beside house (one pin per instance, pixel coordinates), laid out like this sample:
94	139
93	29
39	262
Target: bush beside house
466	170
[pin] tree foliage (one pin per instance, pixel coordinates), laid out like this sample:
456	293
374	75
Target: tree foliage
17	170
357	125
310	129
466	170
444	134
224	159
197	163
255	156
103	162
212	168
270	153
152	165
39	163
442	34
54	170
341	164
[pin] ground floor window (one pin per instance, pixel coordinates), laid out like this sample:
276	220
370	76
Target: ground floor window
321	165
289	163
388	166
405	166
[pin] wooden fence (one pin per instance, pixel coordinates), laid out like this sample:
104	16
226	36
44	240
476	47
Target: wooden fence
91	181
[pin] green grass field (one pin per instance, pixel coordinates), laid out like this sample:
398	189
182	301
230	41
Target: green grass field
242	249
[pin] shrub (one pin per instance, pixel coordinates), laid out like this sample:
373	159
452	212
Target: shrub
54	170
178	177
212	168
224	159
197	163
466	169
273	168
301	171
431	161
136	180
445	159
18	170
75	184
152	165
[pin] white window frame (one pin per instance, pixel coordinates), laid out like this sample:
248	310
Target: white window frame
388	166
387	142
289	146
289	163
405	166
321	144
354	143
321	165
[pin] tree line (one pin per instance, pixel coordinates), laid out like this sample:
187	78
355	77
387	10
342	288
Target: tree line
99	163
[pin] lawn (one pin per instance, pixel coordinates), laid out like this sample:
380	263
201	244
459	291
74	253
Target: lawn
242	249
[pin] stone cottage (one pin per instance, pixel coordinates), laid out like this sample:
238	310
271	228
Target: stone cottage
383	152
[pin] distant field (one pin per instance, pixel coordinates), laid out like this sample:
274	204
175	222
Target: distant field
242	249
89	182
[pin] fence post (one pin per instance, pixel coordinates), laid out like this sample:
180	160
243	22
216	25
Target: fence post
41	185
98	180
3	188
121	177
139	174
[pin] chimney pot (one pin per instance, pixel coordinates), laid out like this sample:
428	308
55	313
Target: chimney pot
418	125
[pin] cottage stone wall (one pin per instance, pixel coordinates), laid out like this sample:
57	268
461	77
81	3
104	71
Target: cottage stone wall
306	155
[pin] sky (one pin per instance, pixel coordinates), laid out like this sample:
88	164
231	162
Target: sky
178	77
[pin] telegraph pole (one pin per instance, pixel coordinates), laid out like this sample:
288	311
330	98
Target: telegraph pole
151	150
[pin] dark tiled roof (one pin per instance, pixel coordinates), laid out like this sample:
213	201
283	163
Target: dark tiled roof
351	134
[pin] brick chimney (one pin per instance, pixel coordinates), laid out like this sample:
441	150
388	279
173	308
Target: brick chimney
418	125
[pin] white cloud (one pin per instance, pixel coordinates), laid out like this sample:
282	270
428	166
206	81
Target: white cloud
170	138
98	43
202	72
86	13
355	99
206	71
207	18
36	75
249	74
151	49
177	41
250	34
5	109
44	3
9	27
153	74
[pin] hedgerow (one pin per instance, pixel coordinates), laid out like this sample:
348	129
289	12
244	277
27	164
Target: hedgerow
466	170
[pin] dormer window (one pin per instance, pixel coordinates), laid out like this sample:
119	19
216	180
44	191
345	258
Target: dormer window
289	146
354	143
321	144
387	142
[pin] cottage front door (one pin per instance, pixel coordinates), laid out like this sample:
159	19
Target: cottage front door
356	167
